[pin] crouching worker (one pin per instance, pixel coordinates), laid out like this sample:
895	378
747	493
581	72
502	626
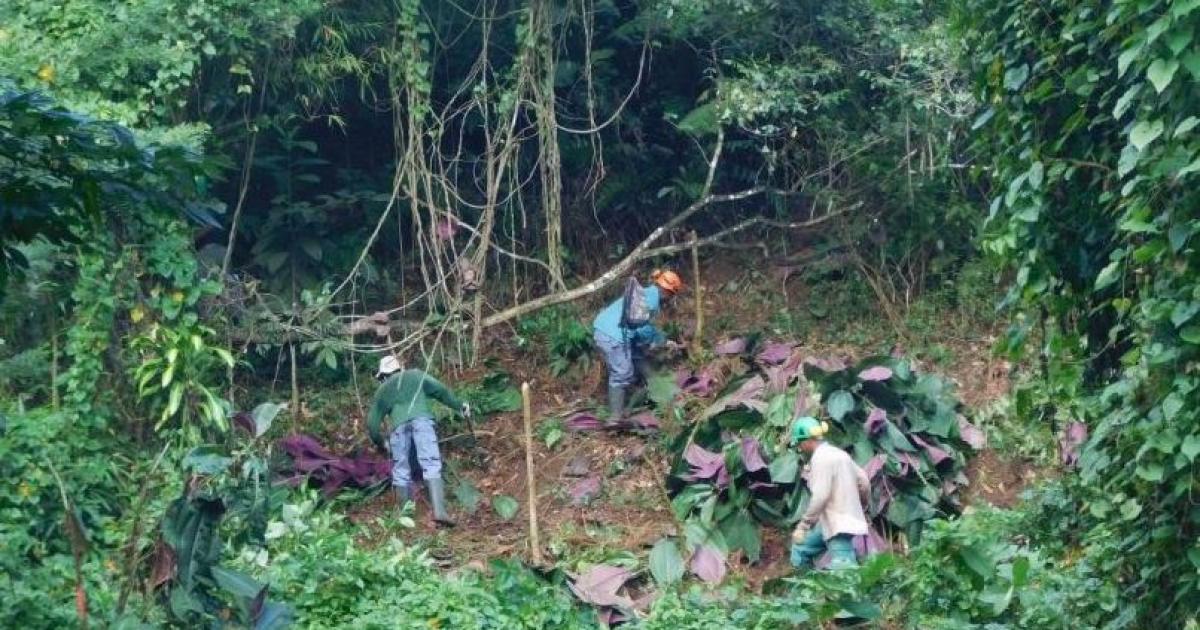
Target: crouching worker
403	396
624	331
838	489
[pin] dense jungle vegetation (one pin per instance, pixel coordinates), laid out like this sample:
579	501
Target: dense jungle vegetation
217	215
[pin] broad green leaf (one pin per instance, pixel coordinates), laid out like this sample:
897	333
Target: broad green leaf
783	469
1145	132
1150	472
1187	125
1191	61
741	532
206	460
1126	100
1171	406
167	375
666	563
1130	509
1190	447
1178	236
897	438
275	616
237	583
553	436
1036	174
1128	160
505	506
840	403
1126	58
1108	274
225	355
977	559
467	495
264	415
1190	168
661	389
1178	40
983	118
1161	72
1015	77
1190	334
862	609
174	399
706	511
779	411
701	121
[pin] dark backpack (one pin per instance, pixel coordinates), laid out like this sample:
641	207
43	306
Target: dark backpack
635	312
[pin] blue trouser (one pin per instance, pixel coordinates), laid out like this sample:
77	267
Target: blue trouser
841	547
624	359
417	432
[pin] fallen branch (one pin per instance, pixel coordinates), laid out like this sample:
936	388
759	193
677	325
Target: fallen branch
642	252
714	239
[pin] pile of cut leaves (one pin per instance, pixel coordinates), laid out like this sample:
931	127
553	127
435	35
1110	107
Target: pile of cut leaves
732	471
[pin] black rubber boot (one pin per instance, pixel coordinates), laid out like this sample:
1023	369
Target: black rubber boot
437	496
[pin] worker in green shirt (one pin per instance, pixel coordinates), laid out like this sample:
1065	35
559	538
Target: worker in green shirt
403	396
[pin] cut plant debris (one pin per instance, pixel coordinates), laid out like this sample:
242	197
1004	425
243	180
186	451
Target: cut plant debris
732	472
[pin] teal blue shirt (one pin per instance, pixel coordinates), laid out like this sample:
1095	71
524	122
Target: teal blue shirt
608	321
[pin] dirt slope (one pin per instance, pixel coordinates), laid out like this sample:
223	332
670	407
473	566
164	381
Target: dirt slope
632	510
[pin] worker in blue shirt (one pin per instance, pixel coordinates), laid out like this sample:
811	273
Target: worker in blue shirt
624	348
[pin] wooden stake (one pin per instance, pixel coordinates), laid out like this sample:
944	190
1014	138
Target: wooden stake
534	544
698	337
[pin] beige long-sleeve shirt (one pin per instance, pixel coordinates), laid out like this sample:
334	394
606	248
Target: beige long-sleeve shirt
837	486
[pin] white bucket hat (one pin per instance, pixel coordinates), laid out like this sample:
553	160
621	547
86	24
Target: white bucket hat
388	365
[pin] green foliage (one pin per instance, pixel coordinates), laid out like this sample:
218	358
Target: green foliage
505	506
226	494
36	570
334	581
25	373
568	342
494	394
63	174
1089	134
1016	433
176	365
550	431
138	61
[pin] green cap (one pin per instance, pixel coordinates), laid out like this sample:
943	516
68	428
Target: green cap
806	428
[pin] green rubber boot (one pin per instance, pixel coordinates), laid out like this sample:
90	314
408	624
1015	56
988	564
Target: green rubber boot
437	496
616	404
403	495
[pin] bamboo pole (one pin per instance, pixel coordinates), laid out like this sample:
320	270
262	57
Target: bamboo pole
534	544
697	338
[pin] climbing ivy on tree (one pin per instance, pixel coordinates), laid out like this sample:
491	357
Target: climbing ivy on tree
1090	123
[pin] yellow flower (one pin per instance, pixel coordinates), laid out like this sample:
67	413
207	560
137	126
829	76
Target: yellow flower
136	314
46	73
177	296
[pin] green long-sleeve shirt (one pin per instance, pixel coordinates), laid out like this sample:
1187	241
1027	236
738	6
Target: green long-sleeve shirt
405	395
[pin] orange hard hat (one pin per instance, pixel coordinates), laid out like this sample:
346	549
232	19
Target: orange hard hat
667	281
